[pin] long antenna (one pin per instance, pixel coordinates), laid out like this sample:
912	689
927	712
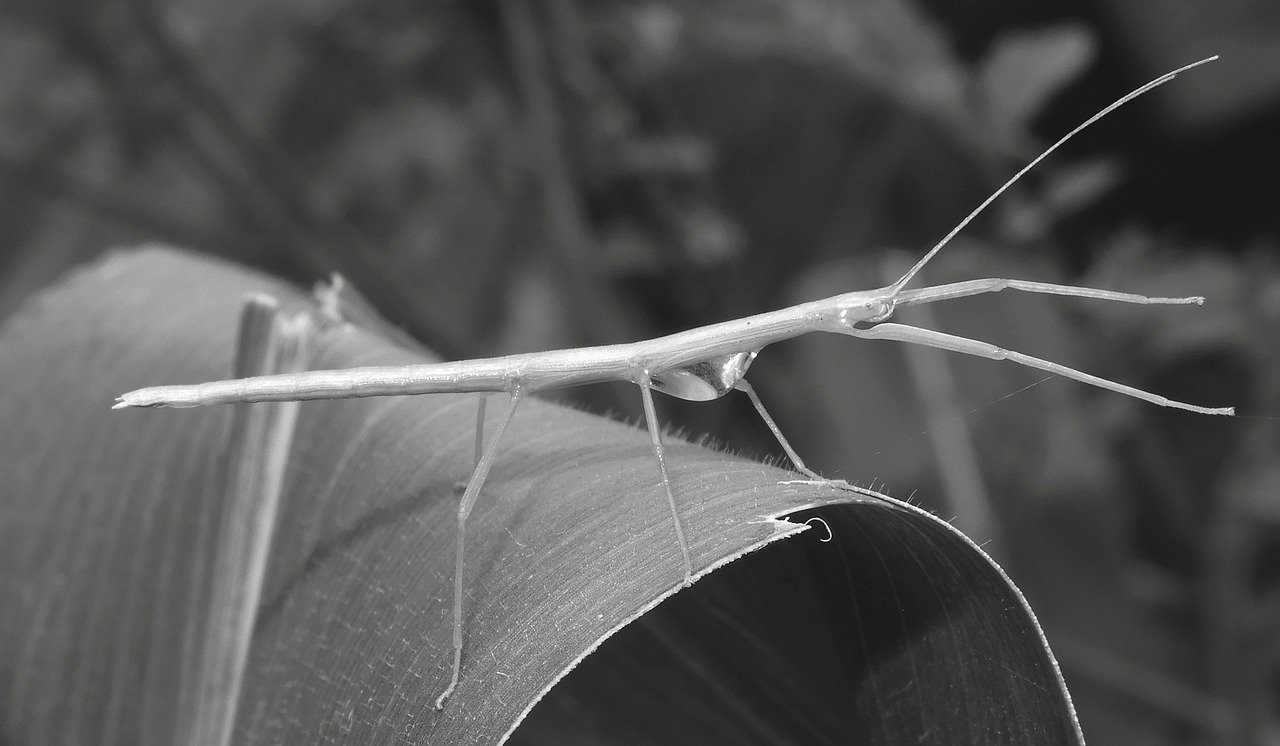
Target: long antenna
1022	171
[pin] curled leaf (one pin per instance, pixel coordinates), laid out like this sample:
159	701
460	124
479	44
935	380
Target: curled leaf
898	630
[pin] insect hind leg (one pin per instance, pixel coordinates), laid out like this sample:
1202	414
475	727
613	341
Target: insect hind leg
461	486
478	477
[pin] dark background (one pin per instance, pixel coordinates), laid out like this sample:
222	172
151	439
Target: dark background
500	177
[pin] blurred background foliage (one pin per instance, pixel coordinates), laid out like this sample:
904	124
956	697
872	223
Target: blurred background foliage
502	176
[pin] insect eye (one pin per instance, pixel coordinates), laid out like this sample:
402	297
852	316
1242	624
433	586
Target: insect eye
879	310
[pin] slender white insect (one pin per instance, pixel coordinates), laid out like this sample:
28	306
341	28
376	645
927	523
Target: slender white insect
698	365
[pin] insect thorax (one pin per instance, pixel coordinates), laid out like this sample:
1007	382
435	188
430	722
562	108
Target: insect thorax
706	379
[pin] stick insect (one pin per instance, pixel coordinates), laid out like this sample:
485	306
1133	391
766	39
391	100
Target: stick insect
698	365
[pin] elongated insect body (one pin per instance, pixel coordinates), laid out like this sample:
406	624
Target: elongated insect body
535	371
699	364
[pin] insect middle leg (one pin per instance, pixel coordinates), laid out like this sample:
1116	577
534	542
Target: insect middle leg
655	437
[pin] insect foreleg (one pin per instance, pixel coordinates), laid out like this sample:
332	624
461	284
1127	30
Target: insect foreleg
655	436
464	509
941	340
995	285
